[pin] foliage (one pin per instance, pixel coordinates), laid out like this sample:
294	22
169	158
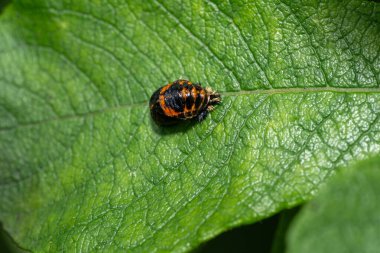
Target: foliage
83	168
345	215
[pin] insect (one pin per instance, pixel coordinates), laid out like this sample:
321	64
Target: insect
182	100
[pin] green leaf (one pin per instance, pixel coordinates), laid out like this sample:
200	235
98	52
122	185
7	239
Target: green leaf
345	215
83	168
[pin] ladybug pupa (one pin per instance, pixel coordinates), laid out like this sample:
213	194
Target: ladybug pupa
182	100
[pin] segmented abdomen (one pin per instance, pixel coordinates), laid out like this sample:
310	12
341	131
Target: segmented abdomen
182	99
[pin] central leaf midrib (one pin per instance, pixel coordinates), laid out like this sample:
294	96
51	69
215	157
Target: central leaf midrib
300	90
226	94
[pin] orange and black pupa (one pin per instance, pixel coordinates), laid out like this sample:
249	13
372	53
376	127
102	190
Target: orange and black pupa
182	100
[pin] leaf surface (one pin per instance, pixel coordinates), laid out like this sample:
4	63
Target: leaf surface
344	216
83	168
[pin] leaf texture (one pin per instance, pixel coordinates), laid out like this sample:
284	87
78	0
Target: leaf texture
344	214
83	168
